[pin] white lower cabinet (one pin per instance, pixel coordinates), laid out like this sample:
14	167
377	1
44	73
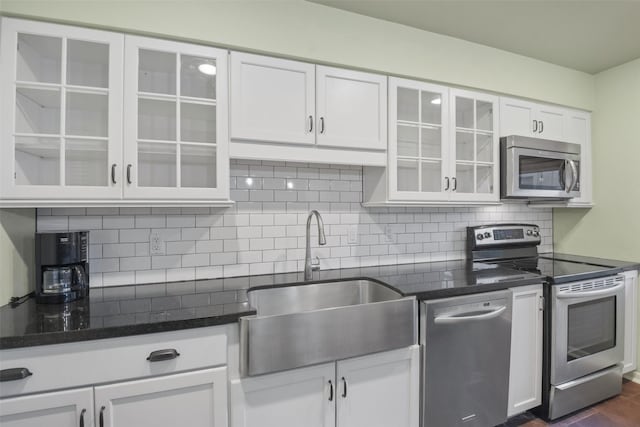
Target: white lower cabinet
375	390
57	409
196	399
525	375
301	397
630	362
379	390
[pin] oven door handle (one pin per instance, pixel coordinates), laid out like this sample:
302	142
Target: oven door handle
587	294
451	320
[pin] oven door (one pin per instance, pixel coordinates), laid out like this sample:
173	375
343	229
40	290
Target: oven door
532	173
587	327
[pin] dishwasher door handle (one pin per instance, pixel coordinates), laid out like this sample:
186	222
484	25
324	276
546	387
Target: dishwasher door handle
451	320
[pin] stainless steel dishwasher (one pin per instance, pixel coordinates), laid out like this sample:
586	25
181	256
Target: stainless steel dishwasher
465	362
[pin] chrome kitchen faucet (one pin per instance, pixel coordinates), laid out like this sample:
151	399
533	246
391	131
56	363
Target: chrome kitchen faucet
309	266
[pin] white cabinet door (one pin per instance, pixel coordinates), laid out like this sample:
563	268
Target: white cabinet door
517	117
351	109
60	112
57	409
474	147
551	122
525	375
630	362
379	390
301	397
578	128
176	137
418	141
272	99
194	399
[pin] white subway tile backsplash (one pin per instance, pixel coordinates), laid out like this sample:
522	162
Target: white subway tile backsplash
264	231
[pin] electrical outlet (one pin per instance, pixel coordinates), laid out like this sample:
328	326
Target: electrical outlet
389	235
157	245
352	237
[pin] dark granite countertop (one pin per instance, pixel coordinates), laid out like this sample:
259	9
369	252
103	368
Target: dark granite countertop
141	309
612	263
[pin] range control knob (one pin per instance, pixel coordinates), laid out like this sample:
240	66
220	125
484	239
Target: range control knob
529	232
536	233
487	235
480	236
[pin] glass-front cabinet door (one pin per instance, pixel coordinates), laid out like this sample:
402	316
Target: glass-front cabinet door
474	147
60	112
418	131
175	144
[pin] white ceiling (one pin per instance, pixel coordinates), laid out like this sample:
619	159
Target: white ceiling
586	35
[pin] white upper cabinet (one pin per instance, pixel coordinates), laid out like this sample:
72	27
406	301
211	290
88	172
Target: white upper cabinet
351	109
418	149
443	147
272	99
290	110
63	138
519	117
61	112
175	144
475	171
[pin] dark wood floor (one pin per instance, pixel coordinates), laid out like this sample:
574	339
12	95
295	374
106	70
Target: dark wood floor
620	411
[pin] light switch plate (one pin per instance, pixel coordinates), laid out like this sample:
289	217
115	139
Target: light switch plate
352	237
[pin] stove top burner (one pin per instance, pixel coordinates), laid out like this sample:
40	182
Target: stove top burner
557	271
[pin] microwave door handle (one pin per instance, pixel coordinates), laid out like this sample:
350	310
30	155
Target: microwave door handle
588	294
450	320
574	174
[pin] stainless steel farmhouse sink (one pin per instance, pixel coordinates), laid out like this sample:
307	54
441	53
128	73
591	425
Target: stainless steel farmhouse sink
305	324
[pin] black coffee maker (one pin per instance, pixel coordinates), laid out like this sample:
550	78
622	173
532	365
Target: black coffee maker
62	266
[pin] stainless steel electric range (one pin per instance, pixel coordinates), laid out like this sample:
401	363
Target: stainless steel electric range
584	317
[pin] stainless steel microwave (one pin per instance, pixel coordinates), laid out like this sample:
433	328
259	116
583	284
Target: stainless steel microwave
532	168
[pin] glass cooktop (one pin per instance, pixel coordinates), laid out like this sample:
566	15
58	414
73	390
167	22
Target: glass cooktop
559	271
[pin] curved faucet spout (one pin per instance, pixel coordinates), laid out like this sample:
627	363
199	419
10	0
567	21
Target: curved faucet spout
322	240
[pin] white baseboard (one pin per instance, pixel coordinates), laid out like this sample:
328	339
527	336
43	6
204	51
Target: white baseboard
633	376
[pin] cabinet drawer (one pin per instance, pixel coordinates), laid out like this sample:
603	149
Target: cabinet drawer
100	361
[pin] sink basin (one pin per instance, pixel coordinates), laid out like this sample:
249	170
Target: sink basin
305	324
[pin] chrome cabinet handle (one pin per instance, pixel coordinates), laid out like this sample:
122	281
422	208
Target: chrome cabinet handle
535	126
14	374
344	390
102	416
455	183
330	391
541	126
82	417
321	124
446	180
113	173
129	174
310	123
160	355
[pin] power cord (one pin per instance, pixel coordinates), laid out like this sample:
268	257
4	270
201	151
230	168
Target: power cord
16	301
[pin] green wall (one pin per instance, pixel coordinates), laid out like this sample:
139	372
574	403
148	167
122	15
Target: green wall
299	29
611	229
17	252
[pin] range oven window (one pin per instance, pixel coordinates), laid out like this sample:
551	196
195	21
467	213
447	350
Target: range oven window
591	328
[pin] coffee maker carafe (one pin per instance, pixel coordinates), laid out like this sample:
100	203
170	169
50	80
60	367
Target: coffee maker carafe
62	266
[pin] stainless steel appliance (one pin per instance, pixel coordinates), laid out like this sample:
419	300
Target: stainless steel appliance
532	168
62	266
584	317
467	345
